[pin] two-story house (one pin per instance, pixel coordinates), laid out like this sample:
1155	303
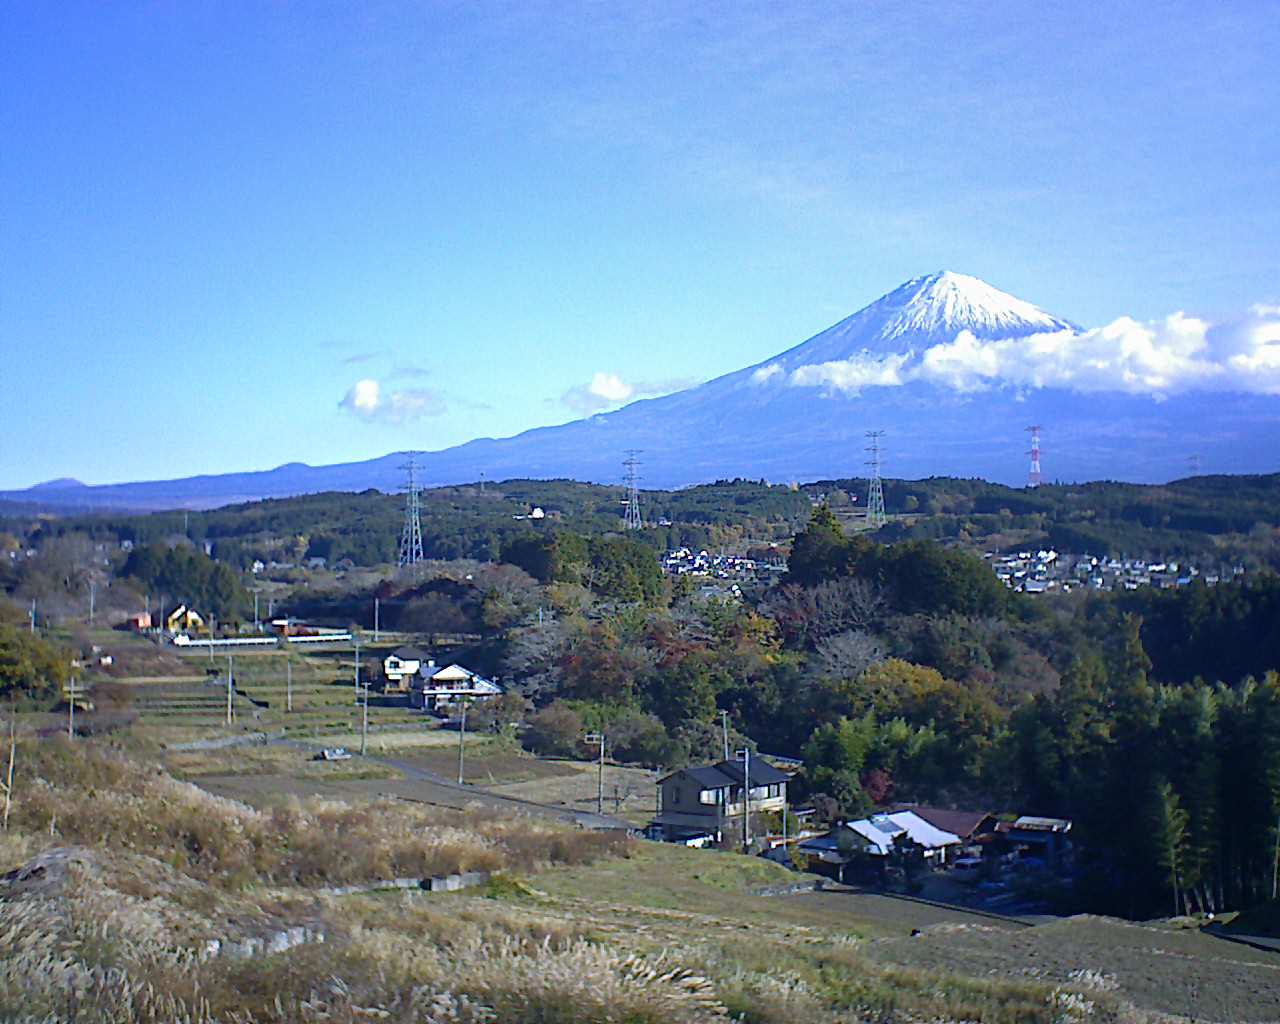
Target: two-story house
708	800
441	690
400	666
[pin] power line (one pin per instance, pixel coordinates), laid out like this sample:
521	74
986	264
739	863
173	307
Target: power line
631	503
411	533
876	516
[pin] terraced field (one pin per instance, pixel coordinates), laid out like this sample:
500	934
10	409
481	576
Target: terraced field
324	700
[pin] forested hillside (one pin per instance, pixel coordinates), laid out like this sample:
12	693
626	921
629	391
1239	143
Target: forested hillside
897	667
1218	519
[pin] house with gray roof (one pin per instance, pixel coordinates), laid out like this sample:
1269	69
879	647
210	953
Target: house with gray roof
708	799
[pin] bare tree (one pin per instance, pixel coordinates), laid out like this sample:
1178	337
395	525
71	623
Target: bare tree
806	615
847	655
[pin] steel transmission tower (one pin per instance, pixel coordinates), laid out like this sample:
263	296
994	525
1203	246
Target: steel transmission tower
876	516
631	503
1033	478
411	534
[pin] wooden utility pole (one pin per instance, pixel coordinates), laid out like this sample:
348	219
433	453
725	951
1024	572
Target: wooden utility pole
230	689
462	741
744	755
364	724
598	737
288	681
73	691
1275	864
13	750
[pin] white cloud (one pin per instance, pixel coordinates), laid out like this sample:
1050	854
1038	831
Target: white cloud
606	390
852	375
1177	354
766	373
371	402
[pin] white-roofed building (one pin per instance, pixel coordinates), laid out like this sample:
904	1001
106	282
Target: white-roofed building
877	836
439	689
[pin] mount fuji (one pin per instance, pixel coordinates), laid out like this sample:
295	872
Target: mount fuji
952	369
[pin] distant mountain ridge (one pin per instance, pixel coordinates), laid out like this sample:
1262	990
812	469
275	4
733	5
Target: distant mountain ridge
803	414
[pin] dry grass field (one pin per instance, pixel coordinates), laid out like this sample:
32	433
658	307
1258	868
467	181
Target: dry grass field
629	793
577	926
152	875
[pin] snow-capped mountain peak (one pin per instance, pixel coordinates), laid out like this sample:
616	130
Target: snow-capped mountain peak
947	303
925	311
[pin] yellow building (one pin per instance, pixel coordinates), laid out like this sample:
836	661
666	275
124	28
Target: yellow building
185	620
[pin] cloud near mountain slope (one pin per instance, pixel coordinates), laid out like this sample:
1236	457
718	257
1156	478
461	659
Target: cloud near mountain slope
1175	355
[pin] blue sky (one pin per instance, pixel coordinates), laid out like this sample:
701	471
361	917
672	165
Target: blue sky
219	218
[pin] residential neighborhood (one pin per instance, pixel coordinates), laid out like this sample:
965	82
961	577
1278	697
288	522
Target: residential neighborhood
1047	570
687	562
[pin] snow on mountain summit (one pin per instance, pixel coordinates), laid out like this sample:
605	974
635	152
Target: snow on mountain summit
925	311
940	306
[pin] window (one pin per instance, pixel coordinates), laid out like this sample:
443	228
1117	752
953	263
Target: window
707	796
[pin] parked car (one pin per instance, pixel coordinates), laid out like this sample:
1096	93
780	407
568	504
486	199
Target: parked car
333	754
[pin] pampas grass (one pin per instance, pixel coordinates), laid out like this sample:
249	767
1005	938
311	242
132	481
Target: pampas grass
97	797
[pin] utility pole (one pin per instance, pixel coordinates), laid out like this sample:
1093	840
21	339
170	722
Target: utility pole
288	681
257	624
724	728
1275	864
230	685
598	737
357	642
73	692
784	815
32	615
377	608
13	750
364	724
462	742
93	593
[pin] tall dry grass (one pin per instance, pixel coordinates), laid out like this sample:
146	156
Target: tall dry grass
97	796
125	934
